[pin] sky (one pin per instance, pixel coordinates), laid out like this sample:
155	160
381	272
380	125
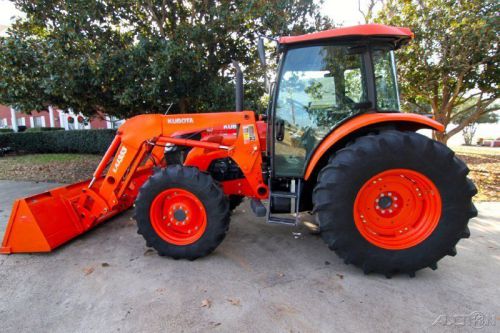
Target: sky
344	12
7	10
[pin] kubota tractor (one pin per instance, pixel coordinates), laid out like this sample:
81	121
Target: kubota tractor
334	143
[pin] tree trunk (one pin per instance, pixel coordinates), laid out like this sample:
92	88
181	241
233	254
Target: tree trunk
183	105
440	116
441	137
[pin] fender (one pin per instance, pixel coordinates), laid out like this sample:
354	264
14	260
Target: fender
415	120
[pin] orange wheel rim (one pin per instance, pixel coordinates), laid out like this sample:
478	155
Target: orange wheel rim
178	216
397	209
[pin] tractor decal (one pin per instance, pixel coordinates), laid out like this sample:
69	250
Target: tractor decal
180	121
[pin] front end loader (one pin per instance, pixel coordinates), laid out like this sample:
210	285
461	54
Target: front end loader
333	143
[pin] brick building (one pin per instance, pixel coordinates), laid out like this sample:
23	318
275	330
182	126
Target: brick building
53	118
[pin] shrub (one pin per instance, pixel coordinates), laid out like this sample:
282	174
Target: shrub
79	141
6	130
44	129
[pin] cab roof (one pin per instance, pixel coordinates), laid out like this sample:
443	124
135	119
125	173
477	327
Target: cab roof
400	35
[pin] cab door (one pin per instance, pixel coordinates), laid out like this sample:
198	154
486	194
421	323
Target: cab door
319	86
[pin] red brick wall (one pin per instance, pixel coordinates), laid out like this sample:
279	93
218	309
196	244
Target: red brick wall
5	114
97	122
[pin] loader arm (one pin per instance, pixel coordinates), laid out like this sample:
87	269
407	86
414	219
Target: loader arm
45	221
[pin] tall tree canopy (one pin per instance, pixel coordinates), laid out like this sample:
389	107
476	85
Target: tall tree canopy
124	57
453	60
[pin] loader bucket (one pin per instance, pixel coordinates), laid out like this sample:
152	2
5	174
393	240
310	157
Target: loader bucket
43	222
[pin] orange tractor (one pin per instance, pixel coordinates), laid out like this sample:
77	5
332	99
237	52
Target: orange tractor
333	143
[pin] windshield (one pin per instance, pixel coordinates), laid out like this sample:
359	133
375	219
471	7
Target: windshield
321	86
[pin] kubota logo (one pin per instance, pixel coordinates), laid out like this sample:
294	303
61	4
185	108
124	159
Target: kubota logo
180	121
119	159
229	127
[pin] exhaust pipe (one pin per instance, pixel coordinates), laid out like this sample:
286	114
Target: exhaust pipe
238	86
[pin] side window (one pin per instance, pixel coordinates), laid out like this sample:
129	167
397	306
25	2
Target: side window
385	81
353	85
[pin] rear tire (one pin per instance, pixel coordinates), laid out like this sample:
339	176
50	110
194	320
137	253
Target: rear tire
164	207
350	172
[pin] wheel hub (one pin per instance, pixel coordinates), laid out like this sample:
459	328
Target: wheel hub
385	202
388	204
397	209
178	216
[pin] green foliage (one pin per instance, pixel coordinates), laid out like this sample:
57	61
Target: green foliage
125	57
454	57
6	130
81	141
44	129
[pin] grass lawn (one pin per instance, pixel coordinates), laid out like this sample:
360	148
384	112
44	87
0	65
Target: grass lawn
483	162
59	168
484	165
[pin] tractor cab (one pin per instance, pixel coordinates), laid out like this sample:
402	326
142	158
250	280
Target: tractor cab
324	79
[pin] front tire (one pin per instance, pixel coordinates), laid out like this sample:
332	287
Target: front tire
360	217
182	213
235	201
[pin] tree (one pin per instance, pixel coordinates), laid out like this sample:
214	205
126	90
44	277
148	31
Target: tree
453	59
125	57
369	9
469	131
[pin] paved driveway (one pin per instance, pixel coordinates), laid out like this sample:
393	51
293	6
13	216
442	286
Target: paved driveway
263	278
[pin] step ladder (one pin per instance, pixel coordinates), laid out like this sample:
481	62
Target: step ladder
294	196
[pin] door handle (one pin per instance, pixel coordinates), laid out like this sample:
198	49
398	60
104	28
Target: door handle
280	130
